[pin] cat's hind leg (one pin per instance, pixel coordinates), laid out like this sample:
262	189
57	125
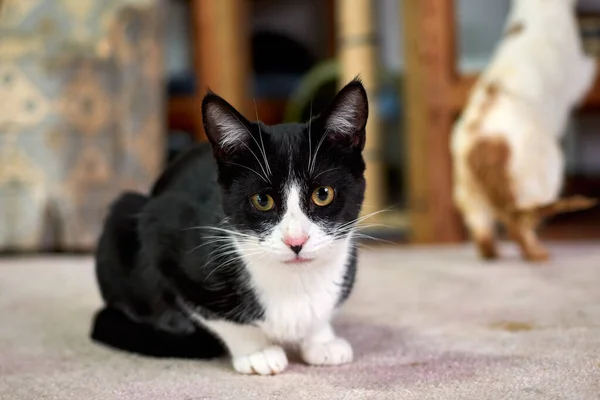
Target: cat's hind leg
140	316
479	217
118	247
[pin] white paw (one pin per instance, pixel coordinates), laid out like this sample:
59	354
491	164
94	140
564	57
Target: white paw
269	361
335	352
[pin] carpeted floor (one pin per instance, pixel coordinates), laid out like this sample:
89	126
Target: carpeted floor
426	323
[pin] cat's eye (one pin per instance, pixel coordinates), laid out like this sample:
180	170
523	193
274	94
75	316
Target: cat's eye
262	202
323	195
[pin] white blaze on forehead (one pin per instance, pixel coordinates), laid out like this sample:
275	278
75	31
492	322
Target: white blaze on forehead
294	222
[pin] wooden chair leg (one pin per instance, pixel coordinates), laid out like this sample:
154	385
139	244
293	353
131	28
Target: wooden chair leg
358	56
430	65
222	53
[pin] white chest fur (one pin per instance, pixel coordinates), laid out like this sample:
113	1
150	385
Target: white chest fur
299	298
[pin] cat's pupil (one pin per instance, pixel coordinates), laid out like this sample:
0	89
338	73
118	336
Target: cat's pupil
323	193
262	200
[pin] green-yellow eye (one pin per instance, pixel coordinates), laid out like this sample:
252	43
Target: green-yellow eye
262	202
323	195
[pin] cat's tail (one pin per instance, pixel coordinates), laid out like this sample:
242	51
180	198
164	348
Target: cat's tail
113	328
560	206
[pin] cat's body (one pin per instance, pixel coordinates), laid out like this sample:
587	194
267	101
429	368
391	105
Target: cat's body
245	251
508	165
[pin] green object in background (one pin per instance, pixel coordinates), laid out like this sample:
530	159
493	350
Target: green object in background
322	74
312	85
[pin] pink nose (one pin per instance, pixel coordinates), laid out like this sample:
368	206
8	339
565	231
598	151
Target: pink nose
295	242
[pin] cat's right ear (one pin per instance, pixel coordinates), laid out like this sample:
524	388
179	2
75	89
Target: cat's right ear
226	129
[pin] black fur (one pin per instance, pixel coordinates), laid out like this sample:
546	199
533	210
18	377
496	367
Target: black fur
154	264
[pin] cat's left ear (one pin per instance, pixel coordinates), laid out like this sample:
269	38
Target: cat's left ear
346	116
226	129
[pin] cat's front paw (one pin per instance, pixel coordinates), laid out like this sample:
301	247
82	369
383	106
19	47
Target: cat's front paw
269	361
334	352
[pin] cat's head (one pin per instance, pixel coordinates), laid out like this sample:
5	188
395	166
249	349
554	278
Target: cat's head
292	191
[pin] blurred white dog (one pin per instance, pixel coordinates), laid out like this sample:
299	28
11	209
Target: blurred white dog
508	165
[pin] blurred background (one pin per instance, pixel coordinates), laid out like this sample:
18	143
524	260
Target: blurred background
96	96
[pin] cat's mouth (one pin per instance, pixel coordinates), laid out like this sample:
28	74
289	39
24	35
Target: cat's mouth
298	260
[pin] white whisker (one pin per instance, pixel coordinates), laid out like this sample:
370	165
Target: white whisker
257	160
369	237
221	251
218	229
222	239
215	237
249	169
323	172
309	136
364	246
357	228
314	160
364	217
248	147
262	144
229	262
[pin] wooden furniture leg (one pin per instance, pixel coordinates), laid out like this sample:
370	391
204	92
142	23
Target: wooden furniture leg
222	53
430	66
358	57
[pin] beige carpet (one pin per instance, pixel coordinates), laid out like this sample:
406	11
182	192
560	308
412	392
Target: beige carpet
426	323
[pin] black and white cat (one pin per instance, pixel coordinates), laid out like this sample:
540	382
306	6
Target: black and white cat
245	249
